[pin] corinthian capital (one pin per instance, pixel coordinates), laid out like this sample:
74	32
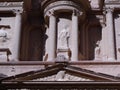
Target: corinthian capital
51	13
77	13
17	11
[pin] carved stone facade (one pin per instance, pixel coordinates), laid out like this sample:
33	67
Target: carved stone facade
65	27
84	30
57	31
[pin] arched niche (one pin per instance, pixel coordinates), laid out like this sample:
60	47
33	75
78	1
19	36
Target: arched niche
62	13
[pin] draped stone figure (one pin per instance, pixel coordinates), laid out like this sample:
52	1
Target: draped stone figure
97	50
63	38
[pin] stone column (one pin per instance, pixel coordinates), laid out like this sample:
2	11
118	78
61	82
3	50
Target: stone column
16	35
74	37
110	28
52	37
104	43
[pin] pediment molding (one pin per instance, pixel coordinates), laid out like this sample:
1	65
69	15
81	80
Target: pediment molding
63	76
61	72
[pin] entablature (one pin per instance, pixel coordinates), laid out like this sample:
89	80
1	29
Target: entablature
112	4
9	6
112	1
83	3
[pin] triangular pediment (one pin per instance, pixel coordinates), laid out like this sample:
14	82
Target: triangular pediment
62	72
63	76
60	77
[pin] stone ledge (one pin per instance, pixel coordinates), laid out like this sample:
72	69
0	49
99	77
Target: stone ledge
53	63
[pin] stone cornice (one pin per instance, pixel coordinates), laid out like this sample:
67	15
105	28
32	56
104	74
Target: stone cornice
83	3
112	4
11	4
61	3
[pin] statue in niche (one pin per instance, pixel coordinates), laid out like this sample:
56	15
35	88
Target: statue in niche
97	50
63	38
3	34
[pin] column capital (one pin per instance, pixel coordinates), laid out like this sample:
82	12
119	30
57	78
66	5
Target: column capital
17	11
51	13
108	9
77	13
